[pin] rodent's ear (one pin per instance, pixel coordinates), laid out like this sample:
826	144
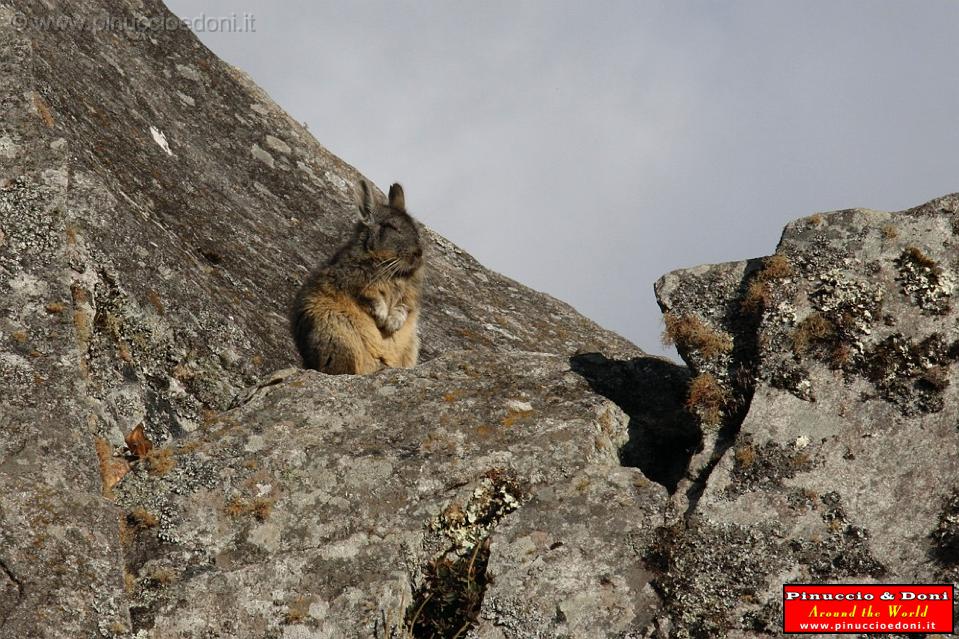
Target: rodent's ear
397	199
364	202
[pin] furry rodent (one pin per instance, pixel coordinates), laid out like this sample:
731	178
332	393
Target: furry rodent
358	313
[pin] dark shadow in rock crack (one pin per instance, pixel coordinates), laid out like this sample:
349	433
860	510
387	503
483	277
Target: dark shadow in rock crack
744	327
663	435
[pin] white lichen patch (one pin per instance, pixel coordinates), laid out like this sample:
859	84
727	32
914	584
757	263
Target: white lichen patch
336	181
926	282
345	549
309	172
185	99
160	139
27	285
189	72
263	155
278	145
518	406
8	148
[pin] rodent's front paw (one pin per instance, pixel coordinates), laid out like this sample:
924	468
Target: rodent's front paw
379	311
396	319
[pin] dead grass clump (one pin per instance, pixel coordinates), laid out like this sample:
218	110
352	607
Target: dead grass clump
260	507
297	610
915	254
707	398
746	456
142	519
691	334
757	297
776	267
759	292
162	576
160	461
814	328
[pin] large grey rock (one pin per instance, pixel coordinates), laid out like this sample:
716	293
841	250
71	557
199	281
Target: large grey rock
315	507
157	212
845	465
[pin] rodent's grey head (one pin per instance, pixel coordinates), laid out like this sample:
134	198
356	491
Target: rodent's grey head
388	233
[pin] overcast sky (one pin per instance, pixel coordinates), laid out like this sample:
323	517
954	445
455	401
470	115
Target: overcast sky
585	149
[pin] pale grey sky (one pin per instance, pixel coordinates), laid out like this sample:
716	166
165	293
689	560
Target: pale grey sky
585	149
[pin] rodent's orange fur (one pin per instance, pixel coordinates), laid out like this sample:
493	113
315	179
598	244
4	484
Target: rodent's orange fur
357	345
359	312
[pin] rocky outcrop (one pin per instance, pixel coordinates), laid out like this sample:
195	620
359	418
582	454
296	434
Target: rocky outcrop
477	484
157	212
836	453
535	476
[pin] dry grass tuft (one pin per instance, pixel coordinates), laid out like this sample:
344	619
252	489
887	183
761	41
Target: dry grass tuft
142	519
160	461
776	267
261	507
812	329
691	334
707	398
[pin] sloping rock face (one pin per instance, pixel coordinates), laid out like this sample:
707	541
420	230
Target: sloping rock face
157	212
535	476
837	455
322	505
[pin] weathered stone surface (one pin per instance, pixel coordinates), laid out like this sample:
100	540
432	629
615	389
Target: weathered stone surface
331	494
157	212
845	464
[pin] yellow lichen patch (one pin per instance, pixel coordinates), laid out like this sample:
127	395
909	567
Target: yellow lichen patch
707	398
688	332
154	298
452	396
484	431
513	416
43	110
112	469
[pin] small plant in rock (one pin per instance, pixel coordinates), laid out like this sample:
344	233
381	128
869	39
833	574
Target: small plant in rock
707	399
690	334
449	601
